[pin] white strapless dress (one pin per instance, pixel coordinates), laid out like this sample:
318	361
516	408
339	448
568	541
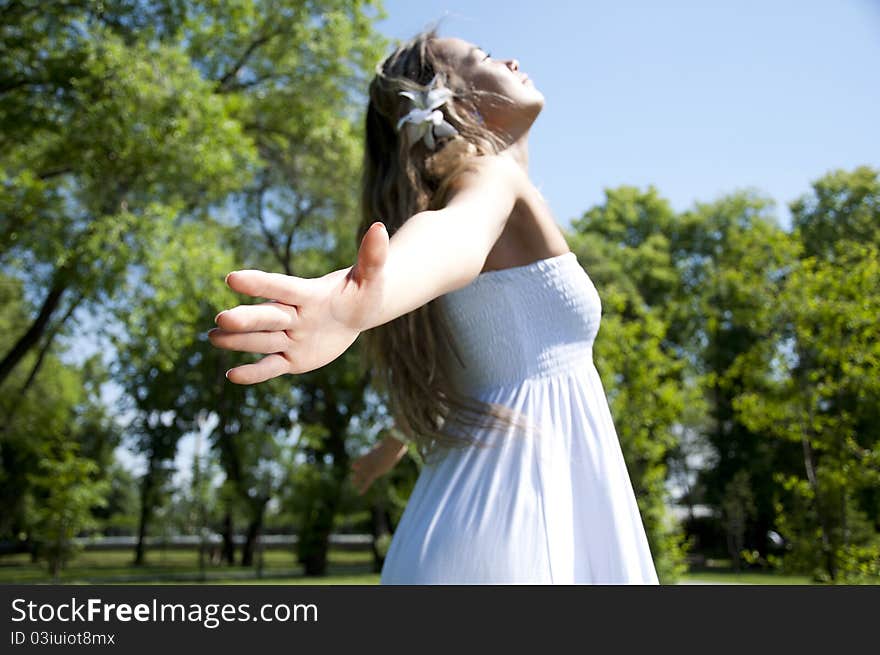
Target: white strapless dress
557	507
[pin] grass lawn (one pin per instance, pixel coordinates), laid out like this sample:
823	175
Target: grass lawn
731	577
279	567
181	566
720	571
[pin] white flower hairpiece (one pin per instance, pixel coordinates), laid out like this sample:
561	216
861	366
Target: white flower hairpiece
425	120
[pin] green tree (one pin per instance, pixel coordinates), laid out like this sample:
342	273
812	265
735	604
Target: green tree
66	489
63	403
733	258
108	132
823	394
842	206
163	360
625	247
834	494
297	74
119	515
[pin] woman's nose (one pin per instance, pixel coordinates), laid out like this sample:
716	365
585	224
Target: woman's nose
513	63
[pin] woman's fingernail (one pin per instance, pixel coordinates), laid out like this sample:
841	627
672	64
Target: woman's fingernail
218	316
227	374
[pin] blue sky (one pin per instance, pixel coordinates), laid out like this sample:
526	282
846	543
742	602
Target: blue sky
698	98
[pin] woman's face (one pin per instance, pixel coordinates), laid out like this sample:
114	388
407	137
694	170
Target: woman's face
502	76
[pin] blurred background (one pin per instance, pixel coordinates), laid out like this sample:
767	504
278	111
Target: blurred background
716	169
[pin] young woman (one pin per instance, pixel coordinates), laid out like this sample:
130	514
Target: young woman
479	325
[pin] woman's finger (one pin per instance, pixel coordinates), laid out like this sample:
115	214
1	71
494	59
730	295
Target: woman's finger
267	368
267	316
373	251
285	288
250	342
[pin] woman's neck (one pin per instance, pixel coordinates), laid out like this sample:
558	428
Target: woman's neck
518	150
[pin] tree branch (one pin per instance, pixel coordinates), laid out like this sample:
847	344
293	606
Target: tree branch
55	173
303	211
36	329
11	85
16	404
241	86
223	82
267	233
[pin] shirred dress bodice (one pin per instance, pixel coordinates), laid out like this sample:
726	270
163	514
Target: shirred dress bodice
528	321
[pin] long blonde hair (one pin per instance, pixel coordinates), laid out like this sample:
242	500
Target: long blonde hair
410	354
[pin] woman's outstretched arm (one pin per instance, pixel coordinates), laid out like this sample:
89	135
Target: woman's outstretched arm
311	321
436	252
380	459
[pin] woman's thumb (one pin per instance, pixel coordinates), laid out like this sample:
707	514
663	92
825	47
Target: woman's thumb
373	251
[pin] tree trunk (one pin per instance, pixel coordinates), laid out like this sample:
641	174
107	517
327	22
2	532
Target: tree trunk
381	529
827	546
228	456
55	567
34	332
152	483
255	527
314	533
318	524
145	516
228	539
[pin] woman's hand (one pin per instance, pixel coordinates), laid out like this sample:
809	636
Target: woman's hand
310	321
377	462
